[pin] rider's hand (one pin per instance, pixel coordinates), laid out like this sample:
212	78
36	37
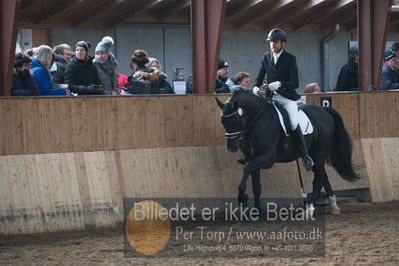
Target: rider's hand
274	85
255	91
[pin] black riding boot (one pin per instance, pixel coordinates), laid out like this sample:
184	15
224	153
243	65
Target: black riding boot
307	161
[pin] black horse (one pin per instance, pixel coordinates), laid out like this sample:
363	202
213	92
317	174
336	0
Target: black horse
252	124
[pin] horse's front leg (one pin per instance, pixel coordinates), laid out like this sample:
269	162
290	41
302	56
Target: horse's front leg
260	162
256	187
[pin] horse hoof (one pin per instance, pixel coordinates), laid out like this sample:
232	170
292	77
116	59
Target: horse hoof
335	211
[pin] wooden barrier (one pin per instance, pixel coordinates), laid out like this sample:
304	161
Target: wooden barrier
67	163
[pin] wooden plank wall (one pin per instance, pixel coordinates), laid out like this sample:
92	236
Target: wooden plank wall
67	163
61	124
76	191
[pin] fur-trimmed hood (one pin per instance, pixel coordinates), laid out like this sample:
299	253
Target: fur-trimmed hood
149	74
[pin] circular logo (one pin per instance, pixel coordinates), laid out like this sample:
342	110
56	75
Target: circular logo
147	228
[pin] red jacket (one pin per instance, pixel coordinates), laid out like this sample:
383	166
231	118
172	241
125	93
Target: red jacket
122	79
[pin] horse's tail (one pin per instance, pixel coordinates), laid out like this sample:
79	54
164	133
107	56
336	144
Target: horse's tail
341	154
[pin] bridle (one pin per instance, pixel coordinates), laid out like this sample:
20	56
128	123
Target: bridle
240	134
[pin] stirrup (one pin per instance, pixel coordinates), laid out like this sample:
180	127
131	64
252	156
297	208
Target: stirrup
308	163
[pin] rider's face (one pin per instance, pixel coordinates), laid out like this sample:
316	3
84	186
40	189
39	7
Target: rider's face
276	46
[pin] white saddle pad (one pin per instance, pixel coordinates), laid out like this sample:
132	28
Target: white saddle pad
304	122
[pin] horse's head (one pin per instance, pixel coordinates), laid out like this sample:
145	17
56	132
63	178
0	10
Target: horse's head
233	119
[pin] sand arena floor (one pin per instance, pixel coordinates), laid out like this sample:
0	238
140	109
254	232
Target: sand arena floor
364	234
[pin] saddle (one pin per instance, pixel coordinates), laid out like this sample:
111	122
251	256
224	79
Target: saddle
304	121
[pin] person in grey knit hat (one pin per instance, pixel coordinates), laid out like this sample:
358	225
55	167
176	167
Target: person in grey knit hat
106	66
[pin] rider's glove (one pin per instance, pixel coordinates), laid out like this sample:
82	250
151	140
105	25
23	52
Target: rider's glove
274	85
255	91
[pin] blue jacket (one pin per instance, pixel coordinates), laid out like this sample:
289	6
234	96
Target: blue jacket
43	80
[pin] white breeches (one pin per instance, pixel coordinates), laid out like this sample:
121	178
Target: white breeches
291	107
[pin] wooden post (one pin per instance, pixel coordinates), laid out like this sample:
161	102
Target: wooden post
8	29
207	18
373	19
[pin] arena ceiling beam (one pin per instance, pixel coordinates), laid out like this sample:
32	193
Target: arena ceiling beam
8	30
172	9
346	15
331	8
56	9
236	8
373	19
128	13
90	13
207	17
269	11
294	14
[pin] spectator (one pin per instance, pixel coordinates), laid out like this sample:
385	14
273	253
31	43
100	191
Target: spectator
123	82
155	64
395	48
81	74
40	67
31	52
242	80
189	84
62	55
348	76
22	80
223	83
106	64
282	76
222	79
144	79
390	76
312	88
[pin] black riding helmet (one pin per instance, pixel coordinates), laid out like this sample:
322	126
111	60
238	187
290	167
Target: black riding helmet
277	35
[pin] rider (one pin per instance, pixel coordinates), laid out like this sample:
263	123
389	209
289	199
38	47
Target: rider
279	69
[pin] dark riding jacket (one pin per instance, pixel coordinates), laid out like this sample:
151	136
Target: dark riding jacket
285	71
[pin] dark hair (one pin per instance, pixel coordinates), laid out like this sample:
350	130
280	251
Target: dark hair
139	57
21	59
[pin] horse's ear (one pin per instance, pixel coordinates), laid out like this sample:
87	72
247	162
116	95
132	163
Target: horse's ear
221	105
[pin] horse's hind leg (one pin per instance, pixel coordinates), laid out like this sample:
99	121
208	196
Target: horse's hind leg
334	209
256	187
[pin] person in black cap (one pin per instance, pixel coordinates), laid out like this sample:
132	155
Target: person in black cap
81	74
223	83
222	77
279	71
395	48
389	75
348	75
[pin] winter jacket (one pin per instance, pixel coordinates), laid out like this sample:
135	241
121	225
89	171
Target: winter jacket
285	71
348	77
157	80
43	80
107	74
58	69
82	77
23	84
122	81
389	79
